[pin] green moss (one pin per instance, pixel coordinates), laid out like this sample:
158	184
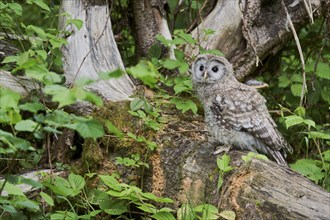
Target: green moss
92	155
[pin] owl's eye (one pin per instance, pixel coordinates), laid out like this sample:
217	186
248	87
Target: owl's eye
201	68
215	69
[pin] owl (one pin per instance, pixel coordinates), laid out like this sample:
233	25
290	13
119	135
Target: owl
235	113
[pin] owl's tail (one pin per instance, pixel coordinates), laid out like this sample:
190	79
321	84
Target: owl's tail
279	158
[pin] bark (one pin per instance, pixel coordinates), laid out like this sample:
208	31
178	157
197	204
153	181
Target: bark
18	84
92	49
149	20
250	31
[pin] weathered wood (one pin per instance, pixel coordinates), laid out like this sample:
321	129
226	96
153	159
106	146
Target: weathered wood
92	49
20	84
249	31
150	20
265	190
226	20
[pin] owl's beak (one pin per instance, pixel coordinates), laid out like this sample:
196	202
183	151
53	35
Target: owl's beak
205	75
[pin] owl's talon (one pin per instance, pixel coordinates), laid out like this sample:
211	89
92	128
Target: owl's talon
221	149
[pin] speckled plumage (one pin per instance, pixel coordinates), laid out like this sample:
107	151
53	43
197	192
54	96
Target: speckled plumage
236	114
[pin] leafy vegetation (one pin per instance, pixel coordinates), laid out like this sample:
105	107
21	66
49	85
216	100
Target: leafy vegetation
305	118
28	123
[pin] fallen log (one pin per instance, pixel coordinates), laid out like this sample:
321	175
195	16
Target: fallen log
185	170
264	190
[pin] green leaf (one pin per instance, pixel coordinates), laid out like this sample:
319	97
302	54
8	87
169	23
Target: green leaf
116	210
9	99
171	64
42	53
82	94
208	211
215	52
325	94
33	107
296	89
14	143
12	189
283	81
27	204
146	72
308	168
59	185
309	122
229	215
178	88
111	182
223	163
77	182
220	182
185	212
163	216
148	208
136	104
163	40
39	31
57	42
326	155
26	125
208	31
16	8
187	37
41	73
179	55
292	120
64	215
155	51
47	198
320	135
300	111
251	155
113	129
323	70
60	94
296	78
87	128
184	104
77	22
177	41
184	67
9	208
112	74
10	59
40	3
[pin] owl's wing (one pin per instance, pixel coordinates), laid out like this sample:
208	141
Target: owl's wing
244	109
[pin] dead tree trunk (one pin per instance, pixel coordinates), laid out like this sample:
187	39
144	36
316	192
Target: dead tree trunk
249	31
149	20
92	49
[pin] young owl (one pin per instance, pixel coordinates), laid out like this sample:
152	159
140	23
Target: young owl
236	114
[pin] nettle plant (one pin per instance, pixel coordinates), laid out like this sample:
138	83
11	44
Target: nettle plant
306	115
168	76
29	117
